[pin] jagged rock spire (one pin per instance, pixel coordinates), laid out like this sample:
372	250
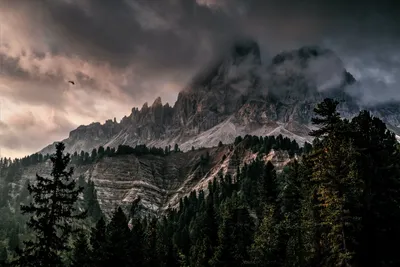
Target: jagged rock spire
157	102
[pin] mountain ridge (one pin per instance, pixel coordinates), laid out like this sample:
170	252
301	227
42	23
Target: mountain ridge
161	180
237	95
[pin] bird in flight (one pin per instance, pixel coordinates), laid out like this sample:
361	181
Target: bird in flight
72	82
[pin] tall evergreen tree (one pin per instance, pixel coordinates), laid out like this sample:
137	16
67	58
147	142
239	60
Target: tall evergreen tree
52	214
13	239
3	256
176	148
378	161
81	252
98	243
292	197
327	117
338	188
150	244
118	241
266	241
234	235
91	203
94	154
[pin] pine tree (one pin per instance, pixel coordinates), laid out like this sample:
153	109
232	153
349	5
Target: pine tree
82	157
234	235
98	243
310	253
101	151
137	242
338	188
266	241
327	117
108	151
13	240
164	245
93	156
267	185
291	198
53	214
149	246
91	203
176	148
137	234
118	241
3	256
81	252
378	164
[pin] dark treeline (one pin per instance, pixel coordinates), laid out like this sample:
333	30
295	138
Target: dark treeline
9	167
256	143
13	165
337	205
23	162
139	150
265	144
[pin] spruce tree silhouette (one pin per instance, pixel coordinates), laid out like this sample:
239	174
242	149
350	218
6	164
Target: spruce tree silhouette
53	214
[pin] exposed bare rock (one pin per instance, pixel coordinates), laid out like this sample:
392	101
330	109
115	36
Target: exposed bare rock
159	181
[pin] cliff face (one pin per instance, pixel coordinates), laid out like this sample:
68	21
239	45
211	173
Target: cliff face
159	181
237	95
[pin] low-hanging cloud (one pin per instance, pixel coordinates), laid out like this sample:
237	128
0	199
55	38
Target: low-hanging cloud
122	53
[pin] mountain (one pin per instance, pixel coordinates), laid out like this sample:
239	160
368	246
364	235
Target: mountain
159	181
237	94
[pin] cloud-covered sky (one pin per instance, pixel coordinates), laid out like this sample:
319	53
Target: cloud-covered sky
122	53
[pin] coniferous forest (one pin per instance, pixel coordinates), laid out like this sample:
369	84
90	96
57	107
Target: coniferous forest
338	204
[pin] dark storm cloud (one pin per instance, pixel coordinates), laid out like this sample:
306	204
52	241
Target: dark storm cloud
172	35
158	34
150	42
175	37
130	51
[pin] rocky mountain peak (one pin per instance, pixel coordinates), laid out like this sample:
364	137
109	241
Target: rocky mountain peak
217	92
145	107
157	103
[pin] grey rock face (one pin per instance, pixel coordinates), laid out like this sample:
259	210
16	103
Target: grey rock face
237	95
159	181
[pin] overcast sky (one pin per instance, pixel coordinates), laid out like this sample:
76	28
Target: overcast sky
122	53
